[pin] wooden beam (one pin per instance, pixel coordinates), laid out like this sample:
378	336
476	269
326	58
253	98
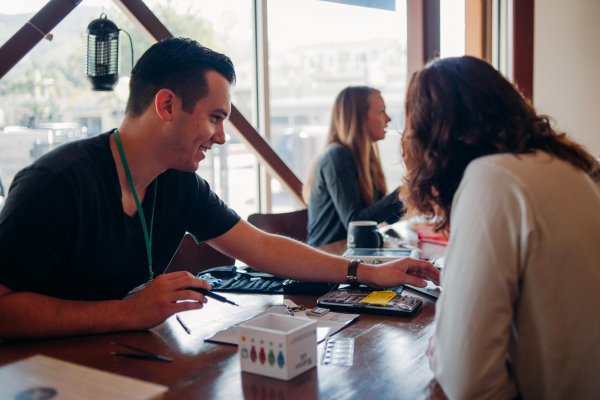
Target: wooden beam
431	29
275	165
475	34
423	32
139	13
523	46
33	32
414	26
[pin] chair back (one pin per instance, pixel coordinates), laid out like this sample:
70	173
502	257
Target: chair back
197	257
291	224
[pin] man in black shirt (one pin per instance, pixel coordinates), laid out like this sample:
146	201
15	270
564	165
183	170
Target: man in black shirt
88	222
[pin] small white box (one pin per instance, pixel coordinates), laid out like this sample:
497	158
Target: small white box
278	346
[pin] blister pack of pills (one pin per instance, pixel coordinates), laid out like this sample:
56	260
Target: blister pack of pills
338	352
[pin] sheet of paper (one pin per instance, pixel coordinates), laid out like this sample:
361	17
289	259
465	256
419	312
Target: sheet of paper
327	325
42	377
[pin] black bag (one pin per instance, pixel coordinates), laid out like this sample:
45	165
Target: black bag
248	280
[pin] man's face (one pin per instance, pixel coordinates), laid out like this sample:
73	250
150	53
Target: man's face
193	134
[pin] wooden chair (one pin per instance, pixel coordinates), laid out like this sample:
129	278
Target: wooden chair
197	257
292	224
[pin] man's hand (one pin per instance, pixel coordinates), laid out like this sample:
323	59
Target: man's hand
395	273
163	297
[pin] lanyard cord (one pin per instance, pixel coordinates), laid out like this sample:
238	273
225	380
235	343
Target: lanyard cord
147	238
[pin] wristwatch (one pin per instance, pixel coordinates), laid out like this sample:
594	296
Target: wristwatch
351	274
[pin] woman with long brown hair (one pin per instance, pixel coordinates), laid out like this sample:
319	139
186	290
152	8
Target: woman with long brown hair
347	182
518	315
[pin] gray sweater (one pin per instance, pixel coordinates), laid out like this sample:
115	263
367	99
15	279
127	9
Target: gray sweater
335	199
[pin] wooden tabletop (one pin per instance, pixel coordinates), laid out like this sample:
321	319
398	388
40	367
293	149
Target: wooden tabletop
389	356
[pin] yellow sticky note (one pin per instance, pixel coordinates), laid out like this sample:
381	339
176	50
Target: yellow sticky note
381	297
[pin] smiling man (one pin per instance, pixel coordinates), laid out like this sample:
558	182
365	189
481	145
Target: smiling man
88	229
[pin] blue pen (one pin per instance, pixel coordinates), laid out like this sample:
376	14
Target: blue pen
215	296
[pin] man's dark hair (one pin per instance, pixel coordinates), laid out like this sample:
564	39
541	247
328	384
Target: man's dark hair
178	64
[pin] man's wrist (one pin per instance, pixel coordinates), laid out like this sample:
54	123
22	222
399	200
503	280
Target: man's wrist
352	273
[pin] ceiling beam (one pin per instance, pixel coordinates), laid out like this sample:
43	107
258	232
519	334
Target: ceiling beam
34	30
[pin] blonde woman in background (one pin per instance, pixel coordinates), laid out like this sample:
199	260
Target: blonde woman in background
347	181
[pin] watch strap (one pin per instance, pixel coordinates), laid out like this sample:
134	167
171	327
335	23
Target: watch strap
351	275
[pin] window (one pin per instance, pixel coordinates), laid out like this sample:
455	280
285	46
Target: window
316	48
226	27
452	28
46	99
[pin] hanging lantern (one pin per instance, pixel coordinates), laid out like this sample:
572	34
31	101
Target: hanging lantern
102	66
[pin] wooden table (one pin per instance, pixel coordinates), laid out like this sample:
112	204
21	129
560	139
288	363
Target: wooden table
389	356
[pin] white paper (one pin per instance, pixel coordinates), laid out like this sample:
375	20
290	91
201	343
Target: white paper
327	324
39	375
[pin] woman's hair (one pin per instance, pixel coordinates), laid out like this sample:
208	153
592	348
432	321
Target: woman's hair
459	109
347	127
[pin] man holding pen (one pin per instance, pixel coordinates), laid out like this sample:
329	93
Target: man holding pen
94	219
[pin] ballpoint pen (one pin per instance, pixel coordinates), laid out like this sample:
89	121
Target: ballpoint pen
215	296
183	325
140	353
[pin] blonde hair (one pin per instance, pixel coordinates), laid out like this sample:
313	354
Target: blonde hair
347	127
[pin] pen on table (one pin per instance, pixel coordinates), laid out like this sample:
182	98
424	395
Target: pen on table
140	353
215	296
184	326
156	357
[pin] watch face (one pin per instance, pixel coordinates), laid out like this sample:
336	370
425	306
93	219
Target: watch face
352	280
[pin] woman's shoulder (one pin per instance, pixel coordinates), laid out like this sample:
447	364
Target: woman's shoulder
335	159
336	151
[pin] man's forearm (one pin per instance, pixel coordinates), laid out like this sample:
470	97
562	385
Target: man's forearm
26	314
285	257
282	256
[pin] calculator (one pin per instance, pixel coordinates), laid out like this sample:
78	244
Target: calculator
349	299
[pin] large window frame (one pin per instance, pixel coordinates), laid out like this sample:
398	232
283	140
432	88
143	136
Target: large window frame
423	44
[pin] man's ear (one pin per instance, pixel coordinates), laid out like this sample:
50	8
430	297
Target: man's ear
165	101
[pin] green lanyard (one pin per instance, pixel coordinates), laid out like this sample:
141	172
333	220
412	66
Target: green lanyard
147	238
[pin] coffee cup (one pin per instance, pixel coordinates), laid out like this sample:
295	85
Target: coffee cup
364	234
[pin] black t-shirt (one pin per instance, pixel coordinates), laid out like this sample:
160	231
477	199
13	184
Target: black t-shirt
63	231
335	199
